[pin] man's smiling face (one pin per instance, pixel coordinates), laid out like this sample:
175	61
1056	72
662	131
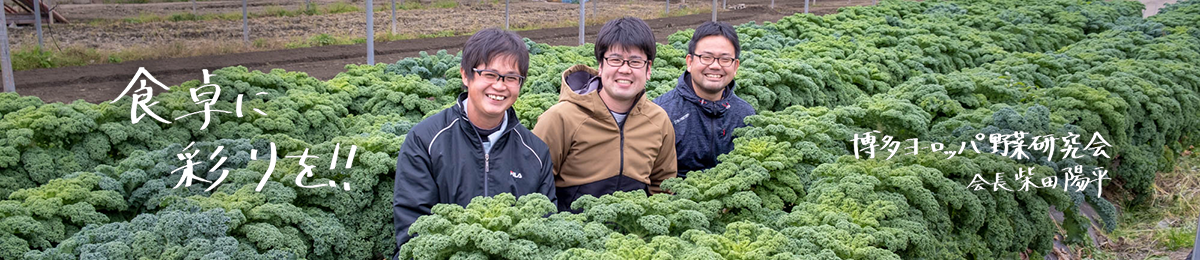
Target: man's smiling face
710	80
623	83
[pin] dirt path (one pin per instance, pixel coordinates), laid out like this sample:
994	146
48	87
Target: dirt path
99	83
1152	6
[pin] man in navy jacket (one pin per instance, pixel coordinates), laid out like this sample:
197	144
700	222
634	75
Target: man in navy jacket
478	147
703	107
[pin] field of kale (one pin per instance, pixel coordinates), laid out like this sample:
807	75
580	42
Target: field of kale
83	182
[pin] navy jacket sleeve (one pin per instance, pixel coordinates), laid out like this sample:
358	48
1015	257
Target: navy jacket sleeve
415	191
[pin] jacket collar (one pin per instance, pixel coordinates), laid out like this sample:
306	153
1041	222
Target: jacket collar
712	108
461	112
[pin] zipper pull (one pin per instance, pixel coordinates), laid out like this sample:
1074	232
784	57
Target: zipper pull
486	161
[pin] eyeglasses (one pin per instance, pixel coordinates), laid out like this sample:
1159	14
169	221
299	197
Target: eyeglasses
636	64
708	60
493	76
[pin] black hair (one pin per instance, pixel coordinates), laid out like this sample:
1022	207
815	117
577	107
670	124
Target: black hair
711	28
490	43
628	32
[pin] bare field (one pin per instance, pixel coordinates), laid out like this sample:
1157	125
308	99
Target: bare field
103	26
176	51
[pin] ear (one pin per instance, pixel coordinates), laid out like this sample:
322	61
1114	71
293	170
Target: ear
649	65
463	75
687	62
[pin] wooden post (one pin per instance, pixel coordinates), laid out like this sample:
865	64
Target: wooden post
5	62
806	6
669	7
506	14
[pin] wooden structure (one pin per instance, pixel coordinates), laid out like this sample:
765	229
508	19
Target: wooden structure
22	13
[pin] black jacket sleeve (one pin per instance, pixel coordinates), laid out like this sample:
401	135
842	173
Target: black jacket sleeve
547	172
415	190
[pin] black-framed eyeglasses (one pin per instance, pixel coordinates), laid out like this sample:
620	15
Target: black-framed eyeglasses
636	64
493	76
708	60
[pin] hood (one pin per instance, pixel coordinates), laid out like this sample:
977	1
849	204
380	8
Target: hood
712	108
577	81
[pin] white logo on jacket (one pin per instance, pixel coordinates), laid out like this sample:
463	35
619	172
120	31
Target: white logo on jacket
515	174
685	116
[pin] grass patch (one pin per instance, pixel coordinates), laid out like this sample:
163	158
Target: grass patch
416	5
386	6
259	43
339	7
442	33
1168	221
686	11
142	1
1175	238
323	40
26	58
272	11
179	17
444	4
409	5
388	36
145	18
320	40
32	58
277	11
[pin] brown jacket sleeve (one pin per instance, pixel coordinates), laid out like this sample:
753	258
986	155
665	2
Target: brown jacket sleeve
665	166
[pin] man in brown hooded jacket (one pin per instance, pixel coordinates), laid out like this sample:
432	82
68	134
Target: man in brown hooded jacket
604	135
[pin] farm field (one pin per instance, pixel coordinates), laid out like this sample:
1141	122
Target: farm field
82	181
105	81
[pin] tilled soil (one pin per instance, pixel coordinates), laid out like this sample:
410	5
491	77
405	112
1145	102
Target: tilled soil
103	82
112	34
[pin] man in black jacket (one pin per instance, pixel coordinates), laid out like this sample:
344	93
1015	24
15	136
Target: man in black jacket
478	147
702	106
